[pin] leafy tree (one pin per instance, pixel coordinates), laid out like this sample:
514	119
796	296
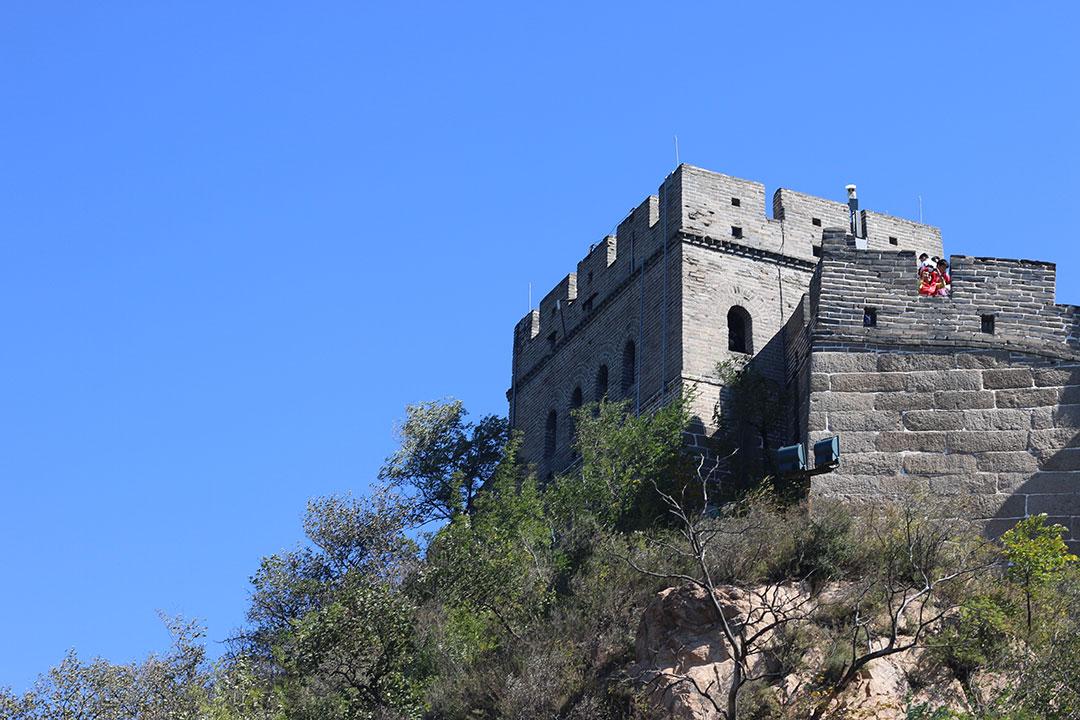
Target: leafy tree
170	687
752	402
330	623
443	460
623	458
1036	553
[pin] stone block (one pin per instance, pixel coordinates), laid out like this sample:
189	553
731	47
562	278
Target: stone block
987	441
817	421
974	361
818	382
963	399
1065	504
997	527
825	401
896	362
1027	397
904	401
1064	459
944	380
875	463
1007	378
870	485
1011	482
1042	418
935	419
867	382
909	441
997	505
1053	438
1060	375
966	484
1017	461
856	442
832	362
1066	416
868	420
997	419
937	464
1044	483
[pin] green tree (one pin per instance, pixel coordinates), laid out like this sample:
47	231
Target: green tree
624	458
751	406
330	623
444	460
1036	554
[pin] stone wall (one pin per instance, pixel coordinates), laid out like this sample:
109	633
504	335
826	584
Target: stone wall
986	424
988	435
665	282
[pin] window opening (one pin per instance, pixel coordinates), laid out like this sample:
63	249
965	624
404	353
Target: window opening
601	383
816	222
736	232
987	324
629	367
869	318
736	202
550	435
740	330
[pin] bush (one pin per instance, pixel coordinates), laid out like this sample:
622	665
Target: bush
977	637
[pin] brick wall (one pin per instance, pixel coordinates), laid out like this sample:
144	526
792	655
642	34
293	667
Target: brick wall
987	425
679	245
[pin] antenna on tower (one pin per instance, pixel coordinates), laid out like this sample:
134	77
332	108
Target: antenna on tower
676	150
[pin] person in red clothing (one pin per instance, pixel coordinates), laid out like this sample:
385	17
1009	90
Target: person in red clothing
927	280
942	279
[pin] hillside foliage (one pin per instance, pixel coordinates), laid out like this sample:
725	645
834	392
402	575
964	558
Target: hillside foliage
461	587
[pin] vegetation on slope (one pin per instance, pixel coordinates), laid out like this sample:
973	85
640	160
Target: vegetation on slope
462	588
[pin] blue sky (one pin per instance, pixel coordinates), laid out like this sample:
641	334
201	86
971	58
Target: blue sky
237	238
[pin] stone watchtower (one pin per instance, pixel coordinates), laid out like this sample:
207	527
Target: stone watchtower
694	275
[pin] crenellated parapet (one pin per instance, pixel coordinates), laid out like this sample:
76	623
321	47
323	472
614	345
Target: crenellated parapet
711	209
995	302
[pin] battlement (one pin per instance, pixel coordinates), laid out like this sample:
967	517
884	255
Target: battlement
995	303
697	203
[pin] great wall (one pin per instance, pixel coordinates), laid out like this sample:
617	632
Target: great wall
971	400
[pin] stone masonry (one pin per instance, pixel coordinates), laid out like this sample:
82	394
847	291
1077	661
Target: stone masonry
972	400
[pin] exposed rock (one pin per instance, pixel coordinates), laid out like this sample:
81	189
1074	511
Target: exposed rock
685	665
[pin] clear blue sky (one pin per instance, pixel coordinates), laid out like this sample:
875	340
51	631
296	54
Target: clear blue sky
237	238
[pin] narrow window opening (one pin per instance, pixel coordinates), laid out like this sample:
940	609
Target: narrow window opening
740	330
601	383
817	251
552	340
893	241
550	435
590	276
816	222
987	324
869	318
629	368
575	403
736	202
736	232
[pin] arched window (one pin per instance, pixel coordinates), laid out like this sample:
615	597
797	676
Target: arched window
576	401
550	435
740	330
601	383
629	367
